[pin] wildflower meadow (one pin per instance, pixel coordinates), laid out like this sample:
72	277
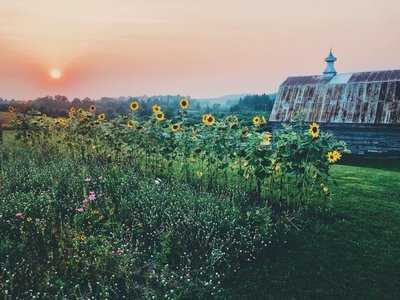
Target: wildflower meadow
154	208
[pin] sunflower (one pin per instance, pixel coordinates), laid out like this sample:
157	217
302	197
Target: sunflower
130	124
333	156
337	155
208	119
175	127
184	103
134	105
156	108
160	116
11	109
266	138
101	117
72	110
314	130
256	121
92	108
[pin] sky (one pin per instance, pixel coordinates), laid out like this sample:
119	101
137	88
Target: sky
207	48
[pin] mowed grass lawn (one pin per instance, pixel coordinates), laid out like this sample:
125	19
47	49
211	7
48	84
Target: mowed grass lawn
364	248
357	256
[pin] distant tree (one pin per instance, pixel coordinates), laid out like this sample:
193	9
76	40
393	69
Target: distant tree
52	106
255	103
58	105
76	103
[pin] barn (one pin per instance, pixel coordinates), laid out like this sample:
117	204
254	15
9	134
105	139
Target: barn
363	108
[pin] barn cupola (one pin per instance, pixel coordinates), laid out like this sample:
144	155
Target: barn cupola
330	66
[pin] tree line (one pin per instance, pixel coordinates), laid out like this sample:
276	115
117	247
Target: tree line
58	105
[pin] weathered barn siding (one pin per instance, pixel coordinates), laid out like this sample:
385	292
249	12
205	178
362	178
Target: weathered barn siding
353	100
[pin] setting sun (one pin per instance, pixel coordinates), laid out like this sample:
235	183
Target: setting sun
55	73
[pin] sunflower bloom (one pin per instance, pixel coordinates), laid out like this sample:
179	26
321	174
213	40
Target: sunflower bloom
101	117
314	130
130	124
208	119
134	105
184	103
337	155
333	156
175	127
256	121
156	108
160	116
92	108
11	109
266	138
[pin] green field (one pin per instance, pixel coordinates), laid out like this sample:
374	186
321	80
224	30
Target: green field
355	257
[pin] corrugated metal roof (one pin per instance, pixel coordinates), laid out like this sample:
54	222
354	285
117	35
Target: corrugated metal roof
375	76
341	78
362	98
305	80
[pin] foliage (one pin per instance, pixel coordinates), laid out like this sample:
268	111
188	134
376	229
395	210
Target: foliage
153	207
79	229
293	169
254	103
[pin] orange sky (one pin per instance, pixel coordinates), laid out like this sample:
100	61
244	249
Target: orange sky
199	48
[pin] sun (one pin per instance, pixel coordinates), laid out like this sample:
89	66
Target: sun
55	73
